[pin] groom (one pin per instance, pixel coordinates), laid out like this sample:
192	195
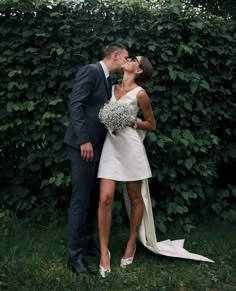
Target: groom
84	137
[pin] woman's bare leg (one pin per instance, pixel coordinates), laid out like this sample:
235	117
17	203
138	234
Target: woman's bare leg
136	215
107	190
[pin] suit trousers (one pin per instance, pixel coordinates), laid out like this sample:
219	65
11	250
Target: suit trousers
83	203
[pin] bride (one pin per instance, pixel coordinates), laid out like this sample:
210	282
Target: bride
124	159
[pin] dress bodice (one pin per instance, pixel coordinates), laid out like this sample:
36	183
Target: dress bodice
130	97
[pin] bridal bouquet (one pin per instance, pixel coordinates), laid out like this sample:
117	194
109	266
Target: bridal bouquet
116	115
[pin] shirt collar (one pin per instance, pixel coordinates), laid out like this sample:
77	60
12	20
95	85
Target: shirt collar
105	70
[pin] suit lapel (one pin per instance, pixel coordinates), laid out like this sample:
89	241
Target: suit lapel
104	80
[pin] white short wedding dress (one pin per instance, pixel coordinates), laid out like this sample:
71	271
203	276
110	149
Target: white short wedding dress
123	156
124	159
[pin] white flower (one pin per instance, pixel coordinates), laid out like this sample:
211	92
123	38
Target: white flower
116	115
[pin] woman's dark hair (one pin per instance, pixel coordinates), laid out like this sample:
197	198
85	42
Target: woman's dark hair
147	68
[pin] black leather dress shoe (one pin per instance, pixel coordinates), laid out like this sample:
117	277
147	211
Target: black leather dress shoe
92	251
79	266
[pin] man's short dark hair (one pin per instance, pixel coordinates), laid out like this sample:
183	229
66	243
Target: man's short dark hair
111	48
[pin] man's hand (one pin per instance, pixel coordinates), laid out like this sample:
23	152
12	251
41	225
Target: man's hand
86	150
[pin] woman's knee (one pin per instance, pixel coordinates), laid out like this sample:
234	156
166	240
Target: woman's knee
105	200
136	199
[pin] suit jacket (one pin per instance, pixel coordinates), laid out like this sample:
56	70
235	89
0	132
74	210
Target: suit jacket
90	92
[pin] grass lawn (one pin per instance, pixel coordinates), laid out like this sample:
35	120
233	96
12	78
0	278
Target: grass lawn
33	257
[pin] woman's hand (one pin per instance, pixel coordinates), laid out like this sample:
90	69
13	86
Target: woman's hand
133	124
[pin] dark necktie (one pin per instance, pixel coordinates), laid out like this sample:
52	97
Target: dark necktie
109	85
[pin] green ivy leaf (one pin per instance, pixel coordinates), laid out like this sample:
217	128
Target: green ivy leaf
173	74
194	86
188	106
60	51
30	105
187	49
189	163
204	84
55	101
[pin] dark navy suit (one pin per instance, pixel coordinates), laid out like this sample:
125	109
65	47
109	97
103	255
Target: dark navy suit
90	92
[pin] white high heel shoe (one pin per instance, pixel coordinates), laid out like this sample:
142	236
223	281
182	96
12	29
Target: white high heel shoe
105	272
128	261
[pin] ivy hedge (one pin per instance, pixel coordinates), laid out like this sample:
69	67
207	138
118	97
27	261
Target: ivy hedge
192	151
